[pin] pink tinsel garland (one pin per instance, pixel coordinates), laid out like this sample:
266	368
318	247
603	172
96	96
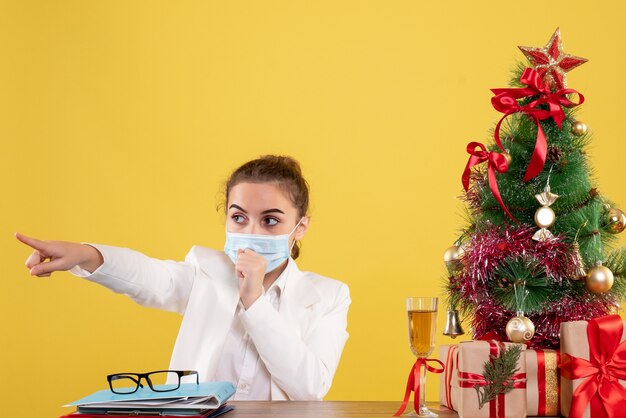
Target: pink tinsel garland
487	250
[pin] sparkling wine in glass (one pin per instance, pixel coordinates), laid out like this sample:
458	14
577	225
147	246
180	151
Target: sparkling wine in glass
422	317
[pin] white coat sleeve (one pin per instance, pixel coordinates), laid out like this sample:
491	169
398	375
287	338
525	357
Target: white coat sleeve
302	367
162	284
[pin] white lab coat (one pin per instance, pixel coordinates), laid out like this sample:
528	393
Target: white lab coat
300	344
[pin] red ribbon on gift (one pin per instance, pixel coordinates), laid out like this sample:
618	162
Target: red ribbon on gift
471	380
600	388
495	162
452	360
413	384
541	383
506	101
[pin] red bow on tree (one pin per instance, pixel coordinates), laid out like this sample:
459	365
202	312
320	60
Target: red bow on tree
495	162
600	388
506	101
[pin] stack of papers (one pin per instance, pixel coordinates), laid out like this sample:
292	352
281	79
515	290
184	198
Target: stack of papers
205	399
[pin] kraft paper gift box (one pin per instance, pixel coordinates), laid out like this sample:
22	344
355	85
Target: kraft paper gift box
448	387
472	356
593	361
542	383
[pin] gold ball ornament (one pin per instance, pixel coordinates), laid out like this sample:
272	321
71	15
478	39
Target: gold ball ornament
599	279
544	217
616	221
579	128
508	158
520	329
452	255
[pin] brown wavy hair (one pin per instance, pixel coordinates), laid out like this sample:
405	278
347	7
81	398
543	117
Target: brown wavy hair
279	169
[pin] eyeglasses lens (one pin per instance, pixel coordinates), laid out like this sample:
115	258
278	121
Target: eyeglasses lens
161	378
124	384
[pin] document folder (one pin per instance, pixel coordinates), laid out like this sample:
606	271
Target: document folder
188	399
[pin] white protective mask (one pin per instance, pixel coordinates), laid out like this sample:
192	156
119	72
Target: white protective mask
274	248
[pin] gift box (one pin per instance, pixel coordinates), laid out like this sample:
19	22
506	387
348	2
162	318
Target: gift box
448	392
472	356
593	368
542	383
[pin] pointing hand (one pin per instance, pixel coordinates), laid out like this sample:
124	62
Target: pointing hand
51	256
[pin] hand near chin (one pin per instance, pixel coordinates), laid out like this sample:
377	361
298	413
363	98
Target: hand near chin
250	270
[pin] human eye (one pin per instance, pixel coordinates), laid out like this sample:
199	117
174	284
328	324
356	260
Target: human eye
269	221
238	218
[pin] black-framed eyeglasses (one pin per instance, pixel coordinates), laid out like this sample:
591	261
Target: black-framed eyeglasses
159	381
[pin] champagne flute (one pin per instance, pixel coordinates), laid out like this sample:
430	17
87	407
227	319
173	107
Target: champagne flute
422	317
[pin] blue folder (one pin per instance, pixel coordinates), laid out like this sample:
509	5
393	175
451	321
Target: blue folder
189	397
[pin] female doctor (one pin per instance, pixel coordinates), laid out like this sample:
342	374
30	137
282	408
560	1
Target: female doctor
250	316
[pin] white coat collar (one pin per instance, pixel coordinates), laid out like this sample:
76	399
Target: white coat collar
298	291
281	279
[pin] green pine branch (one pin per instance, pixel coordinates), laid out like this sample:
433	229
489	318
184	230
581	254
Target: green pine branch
616	262
498	373
525	272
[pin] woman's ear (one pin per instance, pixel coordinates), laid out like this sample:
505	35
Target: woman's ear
302	228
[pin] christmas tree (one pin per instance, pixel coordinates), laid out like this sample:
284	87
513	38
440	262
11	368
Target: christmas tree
538	247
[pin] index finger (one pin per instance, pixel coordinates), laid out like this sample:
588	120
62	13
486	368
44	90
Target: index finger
31	242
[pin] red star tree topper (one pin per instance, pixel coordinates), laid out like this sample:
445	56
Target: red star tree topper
551	62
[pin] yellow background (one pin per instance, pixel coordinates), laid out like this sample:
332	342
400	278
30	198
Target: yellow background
120	120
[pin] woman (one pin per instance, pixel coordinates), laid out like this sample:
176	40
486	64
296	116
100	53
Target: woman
250	315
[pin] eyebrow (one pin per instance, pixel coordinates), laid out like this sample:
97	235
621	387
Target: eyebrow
237	207
272	210
262	213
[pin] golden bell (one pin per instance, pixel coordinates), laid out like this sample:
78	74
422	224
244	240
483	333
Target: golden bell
453	324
